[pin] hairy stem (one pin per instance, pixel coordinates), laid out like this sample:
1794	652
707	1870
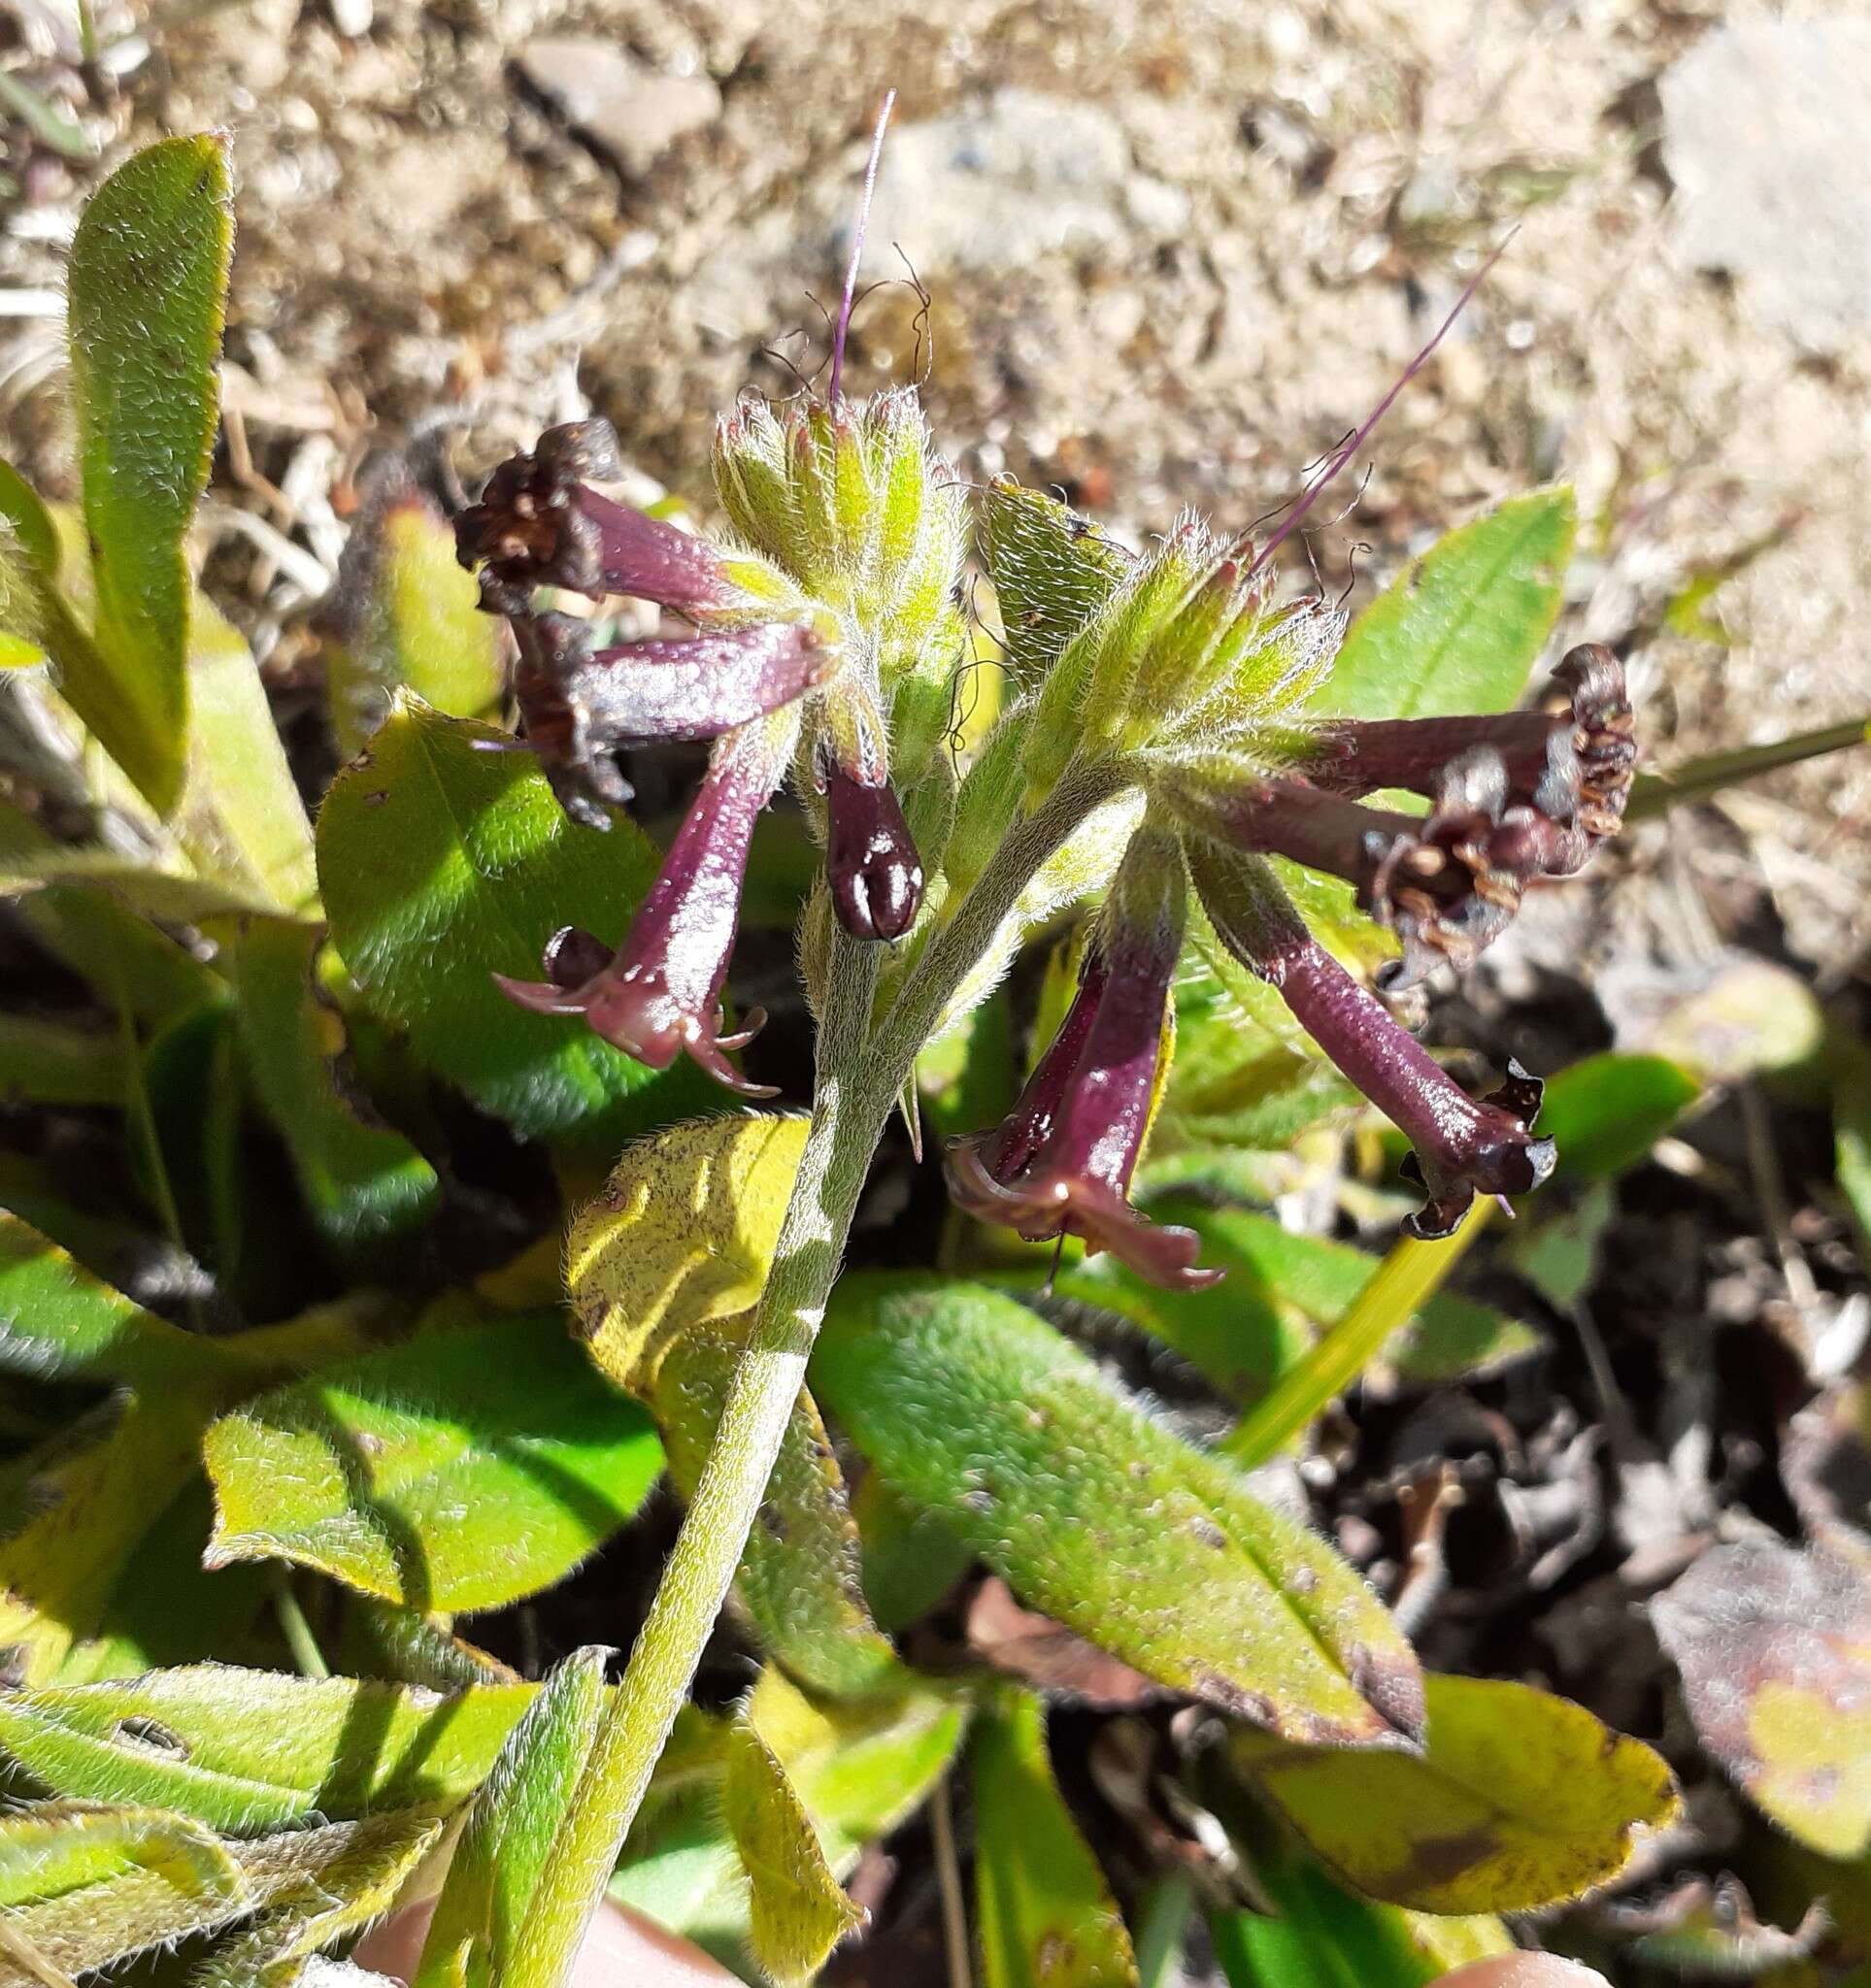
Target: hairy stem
858	1082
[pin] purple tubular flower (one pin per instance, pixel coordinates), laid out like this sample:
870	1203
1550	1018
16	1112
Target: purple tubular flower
661	993
871	858
579	705
1463	1146
538	524
1060	1162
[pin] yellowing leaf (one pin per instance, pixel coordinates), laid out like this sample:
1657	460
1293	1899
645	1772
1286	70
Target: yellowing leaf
1774	1644
317	1884
797	1913
683	1233
1518	1800
1046	1915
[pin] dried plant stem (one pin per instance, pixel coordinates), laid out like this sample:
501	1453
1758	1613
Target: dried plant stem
858	1082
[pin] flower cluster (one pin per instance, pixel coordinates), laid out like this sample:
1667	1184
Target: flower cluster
822	629
825	635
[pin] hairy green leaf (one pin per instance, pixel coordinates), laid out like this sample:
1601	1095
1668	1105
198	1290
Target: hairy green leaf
1460	628
1051	569
463	1470
1101	1517
148	293
442	865
246	1751
477	1936
407	615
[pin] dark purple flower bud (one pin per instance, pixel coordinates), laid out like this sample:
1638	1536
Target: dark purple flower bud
1463	1146
1060	1162
871	859
579	705
538	524
661	993
1573	764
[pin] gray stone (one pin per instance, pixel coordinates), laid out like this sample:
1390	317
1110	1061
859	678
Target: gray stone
630	112
1019	176
1764	131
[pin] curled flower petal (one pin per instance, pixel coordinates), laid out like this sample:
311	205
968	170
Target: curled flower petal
1573	764
1448	884
1060	1162
579	706
1463	1146
538	524
660	995
871	859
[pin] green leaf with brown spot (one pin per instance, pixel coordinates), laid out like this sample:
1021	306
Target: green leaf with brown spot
1045	1910
1518	1800
1460	628
1102	1518
148	293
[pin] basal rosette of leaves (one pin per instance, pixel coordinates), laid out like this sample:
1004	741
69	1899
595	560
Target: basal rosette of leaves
433	1242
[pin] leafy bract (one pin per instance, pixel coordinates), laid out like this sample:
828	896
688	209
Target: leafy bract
147	291
443	864
1051	569
248	1751
1774	1644
1046	1912
1102	1518
463	1470
1519	1800
1459	629
476	1939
